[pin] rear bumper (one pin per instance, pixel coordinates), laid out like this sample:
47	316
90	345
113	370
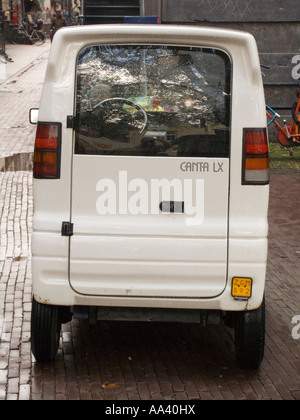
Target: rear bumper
52	287
50	274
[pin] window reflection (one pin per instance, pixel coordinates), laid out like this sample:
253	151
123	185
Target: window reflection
153	101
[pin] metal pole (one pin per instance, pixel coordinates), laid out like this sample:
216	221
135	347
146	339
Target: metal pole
22	12
142	7
2	30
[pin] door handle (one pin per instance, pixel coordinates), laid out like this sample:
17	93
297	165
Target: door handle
172	206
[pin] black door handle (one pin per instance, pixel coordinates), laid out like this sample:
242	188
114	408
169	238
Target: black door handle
172	206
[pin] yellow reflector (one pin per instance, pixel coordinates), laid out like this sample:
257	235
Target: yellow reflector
241	287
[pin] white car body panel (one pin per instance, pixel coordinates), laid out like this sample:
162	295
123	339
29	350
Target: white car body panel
161	260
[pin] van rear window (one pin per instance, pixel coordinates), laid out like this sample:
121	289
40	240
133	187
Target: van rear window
153	100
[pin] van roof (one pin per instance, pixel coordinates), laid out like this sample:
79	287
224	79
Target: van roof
212	34
68	42
225	39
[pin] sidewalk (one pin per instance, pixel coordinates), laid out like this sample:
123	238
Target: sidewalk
20	89
23	56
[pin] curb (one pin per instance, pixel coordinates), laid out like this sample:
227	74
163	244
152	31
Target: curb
17	162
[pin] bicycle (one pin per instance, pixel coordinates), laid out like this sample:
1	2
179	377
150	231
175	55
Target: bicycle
288	135
36	36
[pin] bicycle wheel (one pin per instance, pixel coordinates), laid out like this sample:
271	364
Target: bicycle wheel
296	118
38	37
297	127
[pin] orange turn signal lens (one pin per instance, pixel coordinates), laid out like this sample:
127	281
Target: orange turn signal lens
256	164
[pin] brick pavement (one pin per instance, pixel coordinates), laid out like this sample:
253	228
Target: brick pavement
134	361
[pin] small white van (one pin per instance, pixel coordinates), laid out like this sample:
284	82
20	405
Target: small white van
151	182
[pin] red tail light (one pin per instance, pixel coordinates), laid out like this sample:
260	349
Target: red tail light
255	157
46	163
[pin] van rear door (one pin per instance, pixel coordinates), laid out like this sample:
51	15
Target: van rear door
150	175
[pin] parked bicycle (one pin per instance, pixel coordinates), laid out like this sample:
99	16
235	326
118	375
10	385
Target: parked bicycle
35	36
288	135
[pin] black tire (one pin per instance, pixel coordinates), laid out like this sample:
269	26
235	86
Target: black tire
250	338
45	331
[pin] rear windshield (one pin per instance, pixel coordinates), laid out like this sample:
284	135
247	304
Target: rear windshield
153	101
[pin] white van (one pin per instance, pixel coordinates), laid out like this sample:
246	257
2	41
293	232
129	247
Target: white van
151	173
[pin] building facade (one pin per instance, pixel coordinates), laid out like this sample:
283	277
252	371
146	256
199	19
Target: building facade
274	23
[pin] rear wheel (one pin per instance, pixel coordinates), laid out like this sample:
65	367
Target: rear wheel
250	337
45	331
38	37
